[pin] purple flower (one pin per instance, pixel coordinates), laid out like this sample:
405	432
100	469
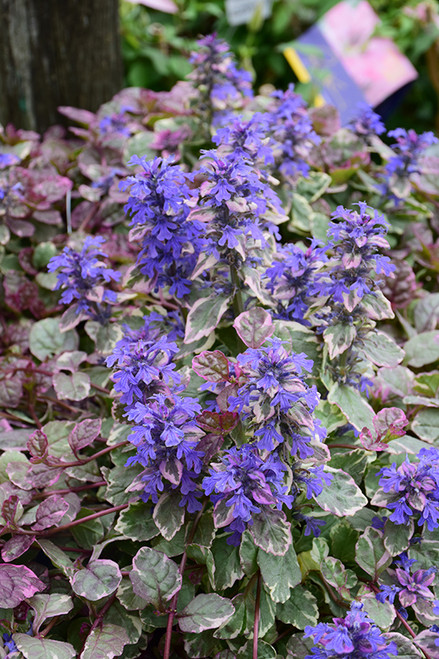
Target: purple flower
414	489
291	132
158	208
410	586
367	122
144	361
8	159
354	637
408	148
295	281
246	483
166	437
275	400
218	82
246	140
83	277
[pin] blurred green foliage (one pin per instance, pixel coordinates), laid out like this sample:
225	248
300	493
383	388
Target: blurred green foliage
156	45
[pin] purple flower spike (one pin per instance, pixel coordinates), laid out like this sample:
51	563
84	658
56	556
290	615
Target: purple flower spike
354	637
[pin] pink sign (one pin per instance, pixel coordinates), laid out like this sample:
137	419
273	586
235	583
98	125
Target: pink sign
374	63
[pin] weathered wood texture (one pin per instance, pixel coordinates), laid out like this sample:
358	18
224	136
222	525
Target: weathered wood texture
56	52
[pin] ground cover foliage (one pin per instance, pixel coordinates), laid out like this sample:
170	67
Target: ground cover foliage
218	379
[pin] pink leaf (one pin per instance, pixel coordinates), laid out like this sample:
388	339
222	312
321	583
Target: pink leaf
254	327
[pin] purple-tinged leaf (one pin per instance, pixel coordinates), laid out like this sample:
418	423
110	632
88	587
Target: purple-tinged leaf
16	546
171	470
49	512
43	648
21	228
155	577
205	316
212	366
222	514
11	391
84	434
37	446
99	579
390	423
205	612
11	509
271	531
428	641
17	583
254	327
406	649
70	361
76	114
339	338
218	423
105	642
377	306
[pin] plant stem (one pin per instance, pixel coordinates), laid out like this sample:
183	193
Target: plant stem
173	606
67	490
238	305
257	616
78	463
59	529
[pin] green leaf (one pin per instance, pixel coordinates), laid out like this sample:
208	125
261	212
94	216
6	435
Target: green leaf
350	402
271	531
397	536
299	647
205	612
371	554
43	648
422	349
58	557
301	213
139	143
236	624
248	554
279	573
338	338
382	613
300	609
99	579
168	515
426	313
227	566
342	496
71	387
205	316
314	185
46	339
330	416
105	642
426	425
254	327
265	651
48	606
89	533
381	350
154	576
335	573
136	522
128	598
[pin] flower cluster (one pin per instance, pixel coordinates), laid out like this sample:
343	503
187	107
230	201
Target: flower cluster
234	199
246	139
356	241
275	400
410	587
166	437
165	433
159	211
295	280
353	637
83	277
244	482
219	83
291	132
367	122
408	148
414	489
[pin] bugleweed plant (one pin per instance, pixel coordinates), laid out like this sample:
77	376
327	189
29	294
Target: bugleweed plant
218	380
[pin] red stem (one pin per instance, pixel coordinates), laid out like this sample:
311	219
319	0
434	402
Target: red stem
67	490
257	616
59	529
78	463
